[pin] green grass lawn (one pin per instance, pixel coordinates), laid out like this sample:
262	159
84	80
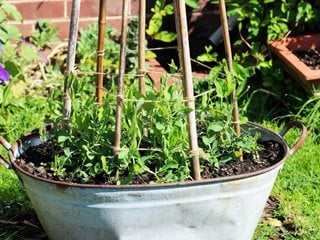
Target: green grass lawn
298	190
14	209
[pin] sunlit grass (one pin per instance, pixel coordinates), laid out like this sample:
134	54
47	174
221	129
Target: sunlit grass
14	206
297	189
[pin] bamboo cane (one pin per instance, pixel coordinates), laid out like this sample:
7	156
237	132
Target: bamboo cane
228	51
141	46
122	67
185	62
100	50
72	44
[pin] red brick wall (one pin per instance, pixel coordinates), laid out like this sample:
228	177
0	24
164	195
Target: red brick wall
58	12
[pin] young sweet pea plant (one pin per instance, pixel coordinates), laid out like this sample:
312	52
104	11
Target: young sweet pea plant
83	153
154	133
154	128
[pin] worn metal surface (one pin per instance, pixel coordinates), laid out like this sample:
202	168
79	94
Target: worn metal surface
226	210
222	208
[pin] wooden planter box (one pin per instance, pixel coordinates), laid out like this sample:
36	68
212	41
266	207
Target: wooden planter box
308	78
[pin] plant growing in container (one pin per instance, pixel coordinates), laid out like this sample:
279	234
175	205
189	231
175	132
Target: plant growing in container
301	58
85	185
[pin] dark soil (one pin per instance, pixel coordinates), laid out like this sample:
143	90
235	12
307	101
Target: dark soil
36	160
310	57
271	152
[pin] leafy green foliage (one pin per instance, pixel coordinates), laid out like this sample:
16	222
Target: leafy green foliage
309	113
21	97
132	46
273	19
192	3
223	82
15	118
86	142
214	112
260	21
44	34
208	56
22	58
87	45
8	31
160	10
154	138
87	146
86	51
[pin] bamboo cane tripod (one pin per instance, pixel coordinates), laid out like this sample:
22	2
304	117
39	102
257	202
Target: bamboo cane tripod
184	58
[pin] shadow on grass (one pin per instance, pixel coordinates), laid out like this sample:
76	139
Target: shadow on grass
273	226
17	217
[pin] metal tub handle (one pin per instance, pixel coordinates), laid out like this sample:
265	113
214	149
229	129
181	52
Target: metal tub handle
7	146
302	137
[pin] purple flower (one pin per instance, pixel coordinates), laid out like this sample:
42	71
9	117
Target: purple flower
4	76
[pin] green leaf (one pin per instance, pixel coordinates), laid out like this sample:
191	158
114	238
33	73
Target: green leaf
170	165
192	3
137	168
187	110
29	52
230	83
150	54
219	87
215	127
88	165
1	95
165	36
3	35
12	68
123	153
208	140
11	31
155	24
12	11
62	139
237	154
160	126
243	120
2	17
67	152
97	168
104	164
169	9
159	4
207	57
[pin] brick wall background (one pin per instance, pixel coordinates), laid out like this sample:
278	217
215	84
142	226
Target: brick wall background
58	12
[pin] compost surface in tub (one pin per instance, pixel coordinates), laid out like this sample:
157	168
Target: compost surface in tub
269	154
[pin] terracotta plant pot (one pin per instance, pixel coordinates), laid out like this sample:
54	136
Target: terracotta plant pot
284	49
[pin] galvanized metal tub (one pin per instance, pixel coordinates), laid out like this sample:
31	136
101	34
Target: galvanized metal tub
222	208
